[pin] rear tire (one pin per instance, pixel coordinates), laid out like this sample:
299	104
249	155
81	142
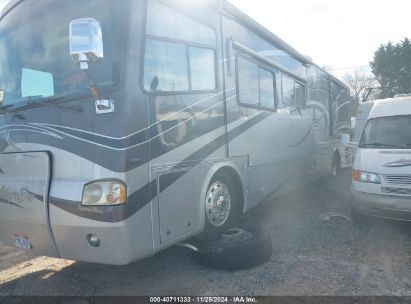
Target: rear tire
236	250
222	206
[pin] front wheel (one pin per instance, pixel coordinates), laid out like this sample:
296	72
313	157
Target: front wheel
221	206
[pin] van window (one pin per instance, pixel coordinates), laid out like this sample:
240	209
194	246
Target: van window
202	69
387	133
163	21
248	86
267	93
180	53
166	66
256	85
288	91
299	95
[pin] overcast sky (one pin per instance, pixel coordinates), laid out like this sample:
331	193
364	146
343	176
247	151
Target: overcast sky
342	34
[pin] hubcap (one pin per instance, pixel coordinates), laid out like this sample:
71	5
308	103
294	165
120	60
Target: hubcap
218	204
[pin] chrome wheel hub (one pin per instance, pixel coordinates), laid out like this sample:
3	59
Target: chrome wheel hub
218	204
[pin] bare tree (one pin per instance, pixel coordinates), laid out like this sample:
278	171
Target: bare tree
358	82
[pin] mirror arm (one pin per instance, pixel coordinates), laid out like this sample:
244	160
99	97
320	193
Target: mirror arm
92	85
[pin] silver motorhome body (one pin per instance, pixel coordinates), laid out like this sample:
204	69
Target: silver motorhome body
196	90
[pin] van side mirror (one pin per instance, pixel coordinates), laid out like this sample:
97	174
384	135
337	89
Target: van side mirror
86	41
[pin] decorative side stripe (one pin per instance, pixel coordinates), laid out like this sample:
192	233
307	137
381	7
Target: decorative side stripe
146	194
2	201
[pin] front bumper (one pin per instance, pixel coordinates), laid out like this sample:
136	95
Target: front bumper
121	242
384	206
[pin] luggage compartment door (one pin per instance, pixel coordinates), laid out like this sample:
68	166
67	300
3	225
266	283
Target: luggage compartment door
24	191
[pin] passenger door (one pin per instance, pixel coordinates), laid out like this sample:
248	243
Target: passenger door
24	194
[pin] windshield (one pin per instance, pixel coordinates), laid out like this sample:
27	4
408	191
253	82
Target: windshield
35	62
387	133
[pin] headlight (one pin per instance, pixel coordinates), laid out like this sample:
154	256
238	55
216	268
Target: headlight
365	177
104	193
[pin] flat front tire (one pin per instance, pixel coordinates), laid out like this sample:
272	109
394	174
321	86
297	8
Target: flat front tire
236	249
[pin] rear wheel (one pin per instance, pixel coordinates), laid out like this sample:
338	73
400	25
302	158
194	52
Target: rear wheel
221	206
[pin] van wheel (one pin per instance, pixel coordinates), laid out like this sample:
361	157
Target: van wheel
236	249
336	166
221	206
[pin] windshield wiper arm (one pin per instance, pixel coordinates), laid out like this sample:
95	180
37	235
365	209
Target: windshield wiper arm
43	100
5	107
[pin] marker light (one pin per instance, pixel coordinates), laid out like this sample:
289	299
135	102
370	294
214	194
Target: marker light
104	193
365	177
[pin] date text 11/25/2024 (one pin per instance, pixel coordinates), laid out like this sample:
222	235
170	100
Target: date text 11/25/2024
240	299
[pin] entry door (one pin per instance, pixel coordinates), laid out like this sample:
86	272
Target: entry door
24	190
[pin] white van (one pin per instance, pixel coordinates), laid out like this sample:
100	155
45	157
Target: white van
381	176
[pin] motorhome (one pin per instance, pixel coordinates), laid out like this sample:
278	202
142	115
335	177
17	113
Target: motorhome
382	167
129	126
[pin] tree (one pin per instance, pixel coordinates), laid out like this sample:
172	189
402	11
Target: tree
392	68
358	82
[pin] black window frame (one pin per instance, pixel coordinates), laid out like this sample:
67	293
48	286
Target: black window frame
305	94
295	81
259	66
187	45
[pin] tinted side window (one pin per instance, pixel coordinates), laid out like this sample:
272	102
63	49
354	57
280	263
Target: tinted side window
163	21
165	67
288	91
247	73
279	85
267	93
300	95
202	67
180	54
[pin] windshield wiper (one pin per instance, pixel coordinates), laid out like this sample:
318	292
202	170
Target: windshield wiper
399	163
5	107
32	100
377	144
43	100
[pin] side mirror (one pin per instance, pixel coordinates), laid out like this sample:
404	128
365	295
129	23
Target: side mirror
345	139
86	41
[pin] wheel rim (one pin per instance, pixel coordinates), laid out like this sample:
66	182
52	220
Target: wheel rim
218	204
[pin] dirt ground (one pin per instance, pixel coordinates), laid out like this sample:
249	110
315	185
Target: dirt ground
311	256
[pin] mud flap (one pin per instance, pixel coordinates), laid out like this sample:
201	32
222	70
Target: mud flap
24	213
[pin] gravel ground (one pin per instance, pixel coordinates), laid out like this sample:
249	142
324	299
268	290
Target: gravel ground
311	256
